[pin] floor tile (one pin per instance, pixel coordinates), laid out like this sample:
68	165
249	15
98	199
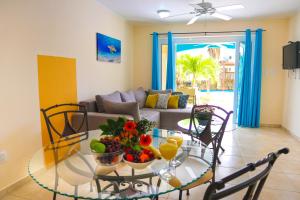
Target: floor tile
11	197
231	161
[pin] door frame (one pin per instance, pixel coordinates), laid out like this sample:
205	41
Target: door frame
237	39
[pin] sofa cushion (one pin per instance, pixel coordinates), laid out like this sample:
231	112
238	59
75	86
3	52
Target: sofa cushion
128	108
173	101
177	93
113	97
183	100
128	96
151	101
162	101
140	96
151	115
95	119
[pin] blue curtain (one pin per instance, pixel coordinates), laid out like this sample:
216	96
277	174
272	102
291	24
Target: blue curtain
156	70
256	84
171	73
244	104
250	82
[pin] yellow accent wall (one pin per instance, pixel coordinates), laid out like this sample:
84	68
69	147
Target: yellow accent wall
57	85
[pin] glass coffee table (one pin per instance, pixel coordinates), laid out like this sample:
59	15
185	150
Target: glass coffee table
69	168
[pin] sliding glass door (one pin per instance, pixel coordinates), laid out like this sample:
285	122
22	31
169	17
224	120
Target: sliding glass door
209	65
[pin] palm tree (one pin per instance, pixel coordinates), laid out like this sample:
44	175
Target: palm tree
198	66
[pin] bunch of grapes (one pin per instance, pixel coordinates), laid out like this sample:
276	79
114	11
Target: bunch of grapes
111	147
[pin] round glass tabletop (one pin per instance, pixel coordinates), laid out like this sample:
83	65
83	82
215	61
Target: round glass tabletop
69	168
215	125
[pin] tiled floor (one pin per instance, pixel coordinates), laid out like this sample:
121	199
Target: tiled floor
242	146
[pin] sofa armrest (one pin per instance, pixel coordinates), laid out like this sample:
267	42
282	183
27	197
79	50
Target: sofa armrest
95	119
90	105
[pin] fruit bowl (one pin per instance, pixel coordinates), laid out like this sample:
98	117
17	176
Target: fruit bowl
135	165
108	159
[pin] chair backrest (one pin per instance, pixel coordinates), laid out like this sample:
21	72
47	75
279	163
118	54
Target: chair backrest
218	190
64	111
209	135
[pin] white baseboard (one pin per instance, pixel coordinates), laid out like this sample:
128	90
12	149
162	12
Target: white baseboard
291	133
13	186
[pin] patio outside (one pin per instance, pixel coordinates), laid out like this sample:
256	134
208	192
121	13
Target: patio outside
209	71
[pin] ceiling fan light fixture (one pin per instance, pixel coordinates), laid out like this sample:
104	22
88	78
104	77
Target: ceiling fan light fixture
163	13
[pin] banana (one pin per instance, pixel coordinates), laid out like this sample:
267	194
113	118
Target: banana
154	150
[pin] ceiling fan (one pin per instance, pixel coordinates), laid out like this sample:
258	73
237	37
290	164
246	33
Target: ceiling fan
206	8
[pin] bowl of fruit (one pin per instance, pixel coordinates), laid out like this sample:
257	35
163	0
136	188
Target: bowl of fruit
138	159
141	155
107	151
130	136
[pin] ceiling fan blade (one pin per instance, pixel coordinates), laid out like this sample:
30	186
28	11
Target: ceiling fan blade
230	7
181	14
221	16
193	20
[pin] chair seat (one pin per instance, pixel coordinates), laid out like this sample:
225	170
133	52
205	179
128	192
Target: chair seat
205	178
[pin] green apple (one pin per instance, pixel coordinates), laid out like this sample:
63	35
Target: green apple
99	147
93	142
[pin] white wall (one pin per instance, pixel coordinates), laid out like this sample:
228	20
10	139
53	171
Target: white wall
291	110
52	27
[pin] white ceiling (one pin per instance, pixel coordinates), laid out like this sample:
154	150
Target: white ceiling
145	10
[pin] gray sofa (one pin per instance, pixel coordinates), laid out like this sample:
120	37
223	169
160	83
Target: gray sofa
164	118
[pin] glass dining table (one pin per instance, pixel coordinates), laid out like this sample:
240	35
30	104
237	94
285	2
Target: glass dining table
69	168
216	124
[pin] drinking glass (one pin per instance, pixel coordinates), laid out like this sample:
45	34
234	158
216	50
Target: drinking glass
179	139
168	151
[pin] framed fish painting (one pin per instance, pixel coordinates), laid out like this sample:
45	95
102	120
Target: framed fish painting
108	49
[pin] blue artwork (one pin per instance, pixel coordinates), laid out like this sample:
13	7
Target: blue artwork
108	49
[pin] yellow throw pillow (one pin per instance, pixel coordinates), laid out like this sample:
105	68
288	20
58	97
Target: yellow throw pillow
173	101
151	101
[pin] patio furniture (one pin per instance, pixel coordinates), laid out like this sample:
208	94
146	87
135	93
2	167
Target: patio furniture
191	91
201	120
220	190
119	181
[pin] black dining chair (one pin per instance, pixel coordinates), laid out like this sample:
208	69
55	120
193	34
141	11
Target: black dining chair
59	116
208	137
203	117
64	112
254	185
